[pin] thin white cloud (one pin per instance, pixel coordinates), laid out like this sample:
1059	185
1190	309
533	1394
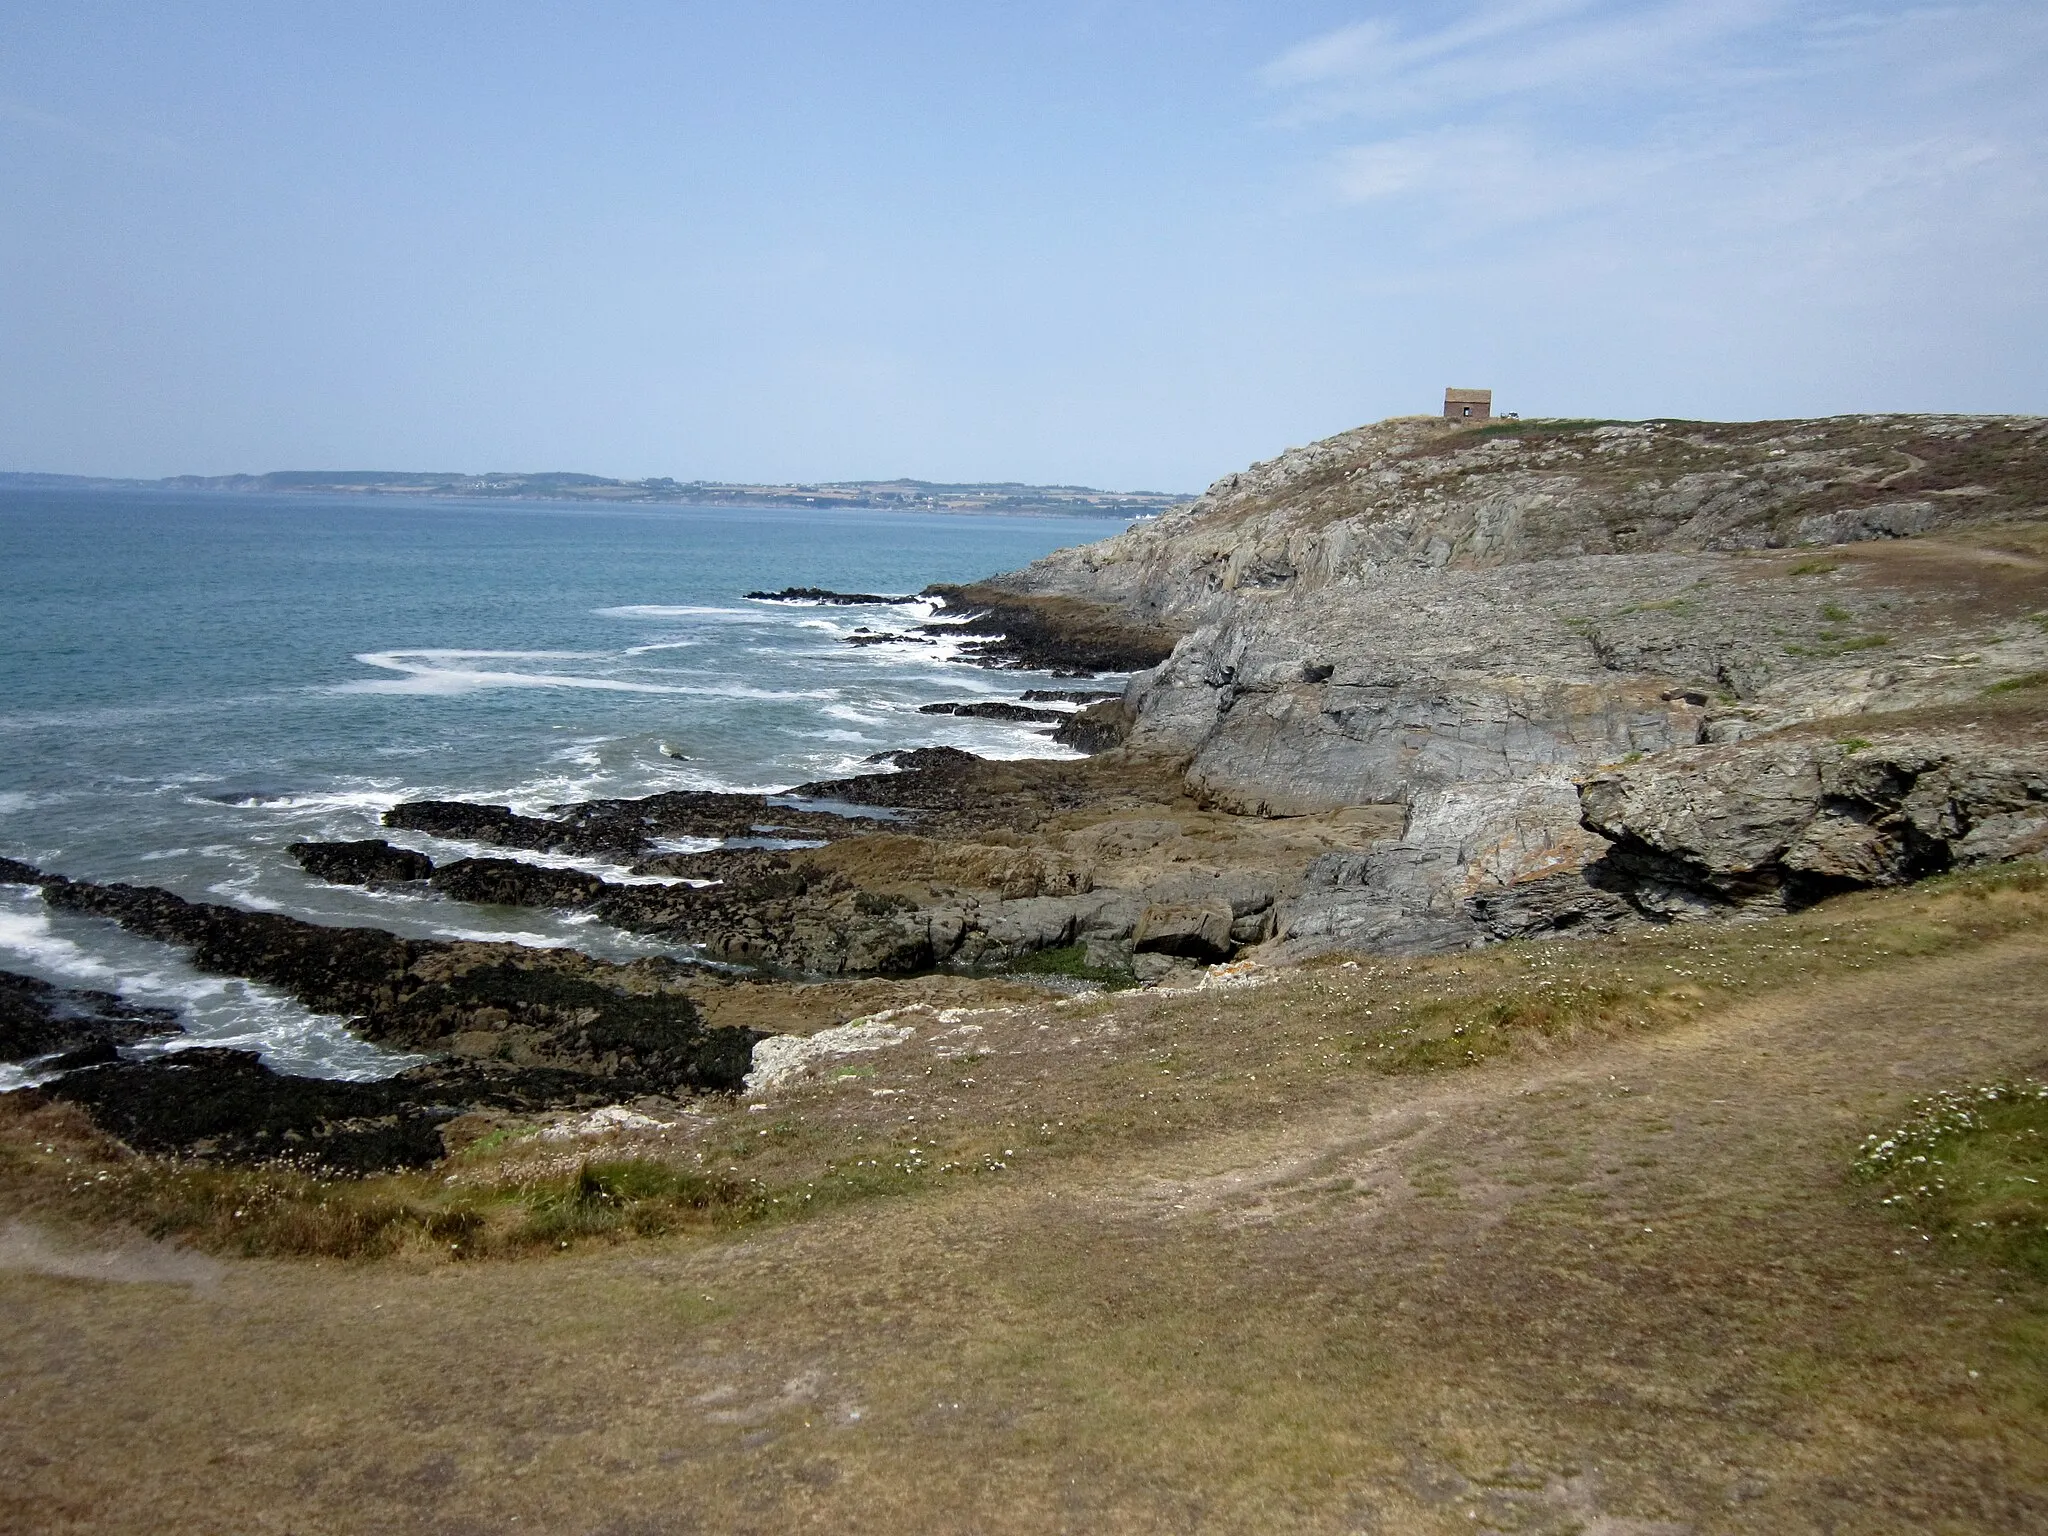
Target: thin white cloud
1368	48
1531	113
1373	69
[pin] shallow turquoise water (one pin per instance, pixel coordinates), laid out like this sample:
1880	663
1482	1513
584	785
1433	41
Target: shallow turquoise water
191	682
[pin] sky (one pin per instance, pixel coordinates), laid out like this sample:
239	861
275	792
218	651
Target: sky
1134	245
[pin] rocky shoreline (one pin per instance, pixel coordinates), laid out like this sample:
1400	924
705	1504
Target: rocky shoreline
1415	689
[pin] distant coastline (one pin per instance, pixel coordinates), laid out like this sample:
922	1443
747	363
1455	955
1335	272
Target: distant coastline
997	497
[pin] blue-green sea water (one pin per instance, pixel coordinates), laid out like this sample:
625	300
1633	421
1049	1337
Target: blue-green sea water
190	682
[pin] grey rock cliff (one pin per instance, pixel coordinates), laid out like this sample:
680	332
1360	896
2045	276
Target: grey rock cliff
1463	623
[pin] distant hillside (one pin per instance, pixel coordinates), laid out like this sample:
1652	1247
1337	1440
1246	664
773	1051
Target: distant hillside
893	495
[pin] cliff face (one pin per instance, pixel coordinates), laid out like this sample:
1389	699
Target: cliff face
1463	623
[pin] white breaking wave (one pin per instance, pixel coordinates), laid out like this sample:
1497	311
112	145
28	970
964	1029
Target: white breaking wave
430	672
678	611
215	1010
661	645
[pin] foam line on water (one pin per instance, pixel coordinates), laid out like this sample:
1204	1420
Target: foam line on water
678	611
425	672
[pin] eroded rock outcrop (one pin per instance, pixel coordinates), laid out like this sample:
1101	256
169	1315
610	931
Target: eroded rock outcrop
1464	622
1784	823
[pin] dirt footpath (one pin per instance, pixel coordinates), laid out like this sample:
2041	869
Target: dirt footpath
1624	1290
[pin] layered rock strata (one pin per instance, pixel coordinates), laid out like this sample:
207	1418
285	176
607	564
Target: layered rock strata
1464	622
1786	822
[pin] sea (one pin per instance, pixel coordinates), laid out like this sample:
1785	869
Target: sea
189	682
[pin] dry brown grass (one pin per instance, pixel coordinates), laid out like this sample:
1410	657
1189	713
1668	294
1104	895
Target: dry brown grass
1295	1257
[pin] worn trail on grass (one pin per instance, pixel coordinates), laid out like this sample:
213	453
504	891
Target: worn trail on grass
1624	1289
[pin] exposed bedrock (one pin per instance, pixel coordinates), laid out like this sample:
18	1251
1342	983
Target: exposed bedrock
1465	622
987	863
1784	823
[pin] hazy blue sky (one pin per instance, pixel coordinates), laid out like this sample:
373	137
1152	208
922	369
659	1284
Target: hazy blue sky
1128	243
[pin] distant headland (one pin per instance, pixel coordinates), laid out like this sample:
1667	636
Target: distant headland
1010	497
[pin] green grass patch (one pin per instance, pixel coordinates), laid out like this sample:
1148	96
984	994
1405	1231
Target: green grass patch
1853	743
1547	427
1972	1164
1072	960
1830	646
1814	568
274	1211
2020	684
1835	613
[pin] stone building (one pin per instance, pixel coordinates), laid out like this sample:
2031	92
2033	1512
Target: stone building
1468	404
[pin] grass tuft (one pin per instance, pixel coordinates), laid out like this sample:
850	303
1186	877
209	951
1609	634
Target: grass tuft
2020	684
1971	1163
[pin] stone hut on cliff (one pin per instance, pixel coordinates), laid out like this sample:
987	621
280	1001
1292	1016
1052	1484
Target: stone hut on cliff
1468	404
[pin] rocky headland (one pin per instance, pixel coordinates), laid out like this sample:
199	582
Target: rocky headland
1417	688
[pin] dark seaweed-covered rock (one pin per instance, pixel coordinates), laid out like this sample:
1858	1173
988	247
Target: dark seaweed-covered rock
822	595
228	1105
335	970
885	637
621	1025
648	1041
1065	635
509	883
617	829
368	862
926	778
759	871
38	1019
1071	695
993	709
14	872
499	826
1097	728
